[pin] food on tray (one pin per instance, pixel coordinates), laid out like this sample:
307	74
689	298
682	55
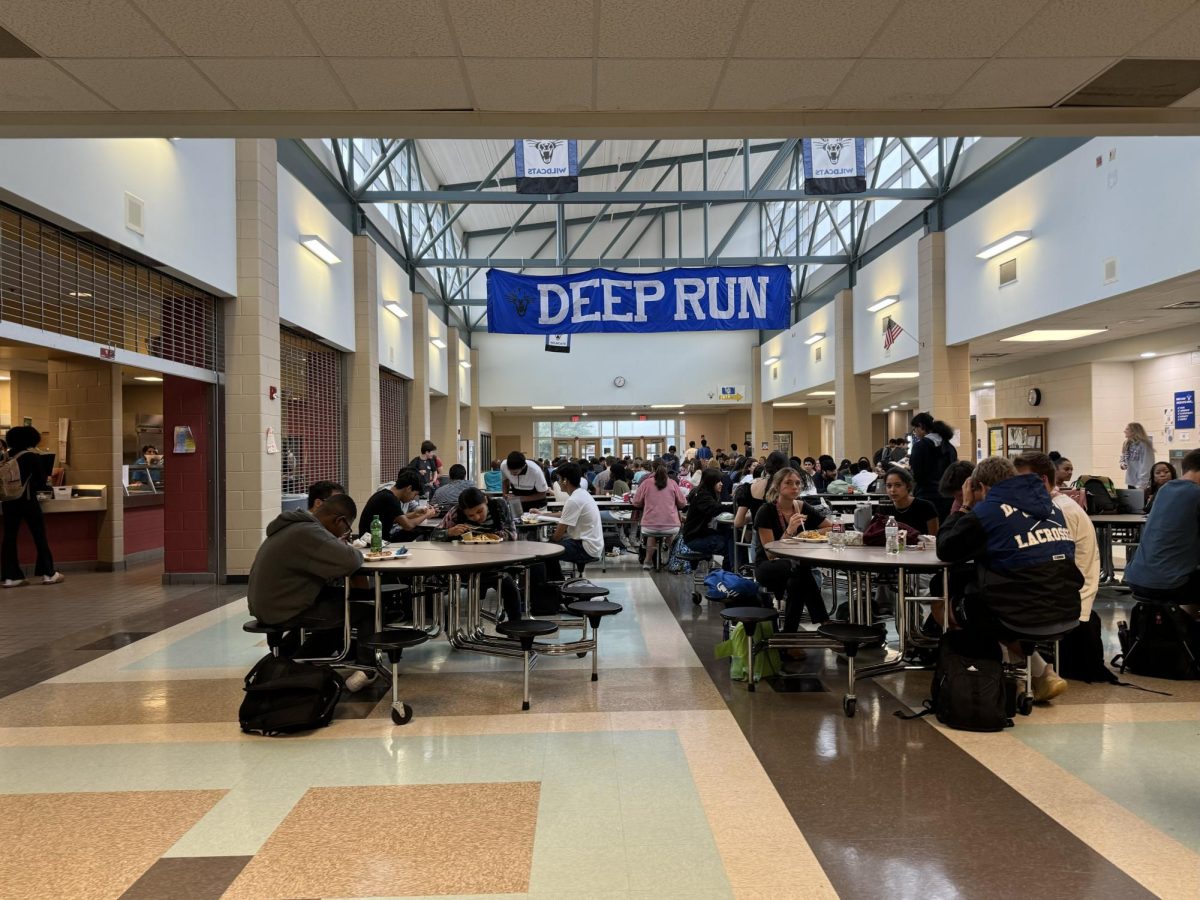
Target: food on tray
812	536
382	554
481	538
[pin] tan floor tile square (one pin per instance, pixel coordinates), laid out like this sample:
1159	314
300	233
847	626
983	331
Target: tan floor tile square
90	845
418	840
123	703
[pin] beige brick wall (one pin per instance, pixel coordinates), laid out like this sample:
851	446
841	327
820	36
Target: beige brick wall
362	384
852	429
945	379
1155	383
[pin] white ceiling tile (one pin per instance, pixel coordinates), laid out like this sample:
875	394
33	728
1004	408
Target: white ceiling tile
279	83
929	29
915	84
503	28
543	84
1014	83
147	84
652	84
371	28
780	83
36	85
1178	39
1091	27
231	28
696	29
403	83
785	29
95	28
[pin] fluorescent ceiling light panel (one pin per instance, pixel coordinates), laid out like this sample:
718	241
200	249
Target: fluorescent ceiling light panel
884	303
904	403
1149	354
667	405
822	393
441	345
789	405
1054	334
319	249
547	407
396	310
1010	240
814	337
82	295
770	360
989	384
894	376
155	378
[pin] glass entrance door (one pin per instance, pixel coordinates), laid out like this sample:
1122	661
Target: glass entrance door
653	447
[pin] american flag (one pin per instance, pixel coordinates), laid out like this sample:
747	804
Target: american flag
891	331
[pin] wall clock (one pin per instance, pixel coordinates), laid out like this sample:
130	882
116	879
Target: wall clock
619	381
1035	397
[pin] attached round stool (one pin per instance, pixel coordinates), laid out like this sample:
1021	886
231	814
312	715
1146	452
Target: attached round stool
582	590
749	617
594	611
393	641
851	637
696	558
274	634
525	631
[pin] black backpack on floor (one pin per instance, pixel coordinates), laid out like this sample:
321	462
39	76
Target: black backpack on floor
968	684
1081	654
1161	641
283	696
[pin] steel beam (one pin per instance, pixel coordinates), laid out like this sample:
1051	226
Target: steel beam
381	165
631	197
641	262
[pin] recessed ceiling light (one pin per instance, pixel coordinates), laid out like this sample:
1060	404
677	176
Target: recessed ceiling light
1054	334
1010	240
396	310
821	393
814	337
547	407
319	249
441	345
155	378
989	384
667	405
904	403
583	413
894	376
789	405
770	360
1149	354
884	303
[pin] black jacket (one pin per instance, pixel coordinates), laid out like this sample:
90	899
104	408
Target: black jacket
703	507
930	457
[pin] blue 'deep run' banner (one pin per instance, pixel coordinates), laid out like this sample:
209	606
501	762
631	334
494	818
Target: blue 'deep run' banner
601	300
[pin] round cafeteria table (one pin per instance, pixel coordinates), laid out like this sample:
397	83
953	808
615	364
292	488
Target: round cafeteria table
464	623
1105	524
860	564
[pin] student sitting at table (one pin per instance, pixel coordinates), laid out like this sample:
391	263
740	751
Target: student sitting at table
579	529
1167	565
704	505
950	485
1159	475
474	512
320	491
397	508
786	515
917	514
660	499
291	580
618	484
865	476
491	480
453	485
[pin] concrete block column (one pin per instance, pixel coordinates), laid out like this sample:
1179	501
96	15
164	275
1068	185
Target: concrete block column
852	425
471	427
945	379
760	412
252	482
88	394
418	406
447	436
362	384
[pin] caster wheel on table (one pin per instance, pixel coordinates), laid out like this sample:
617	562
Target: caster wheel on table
848	706
1025	704
696	599
403	715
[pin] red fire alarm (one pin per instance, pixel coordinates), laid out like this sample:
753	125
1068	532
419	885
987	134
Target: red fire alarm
272	392
574	418
641	418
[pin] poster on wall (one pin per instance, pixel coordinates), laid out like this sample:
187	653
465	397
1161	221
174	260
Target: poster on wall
1185	409
184	441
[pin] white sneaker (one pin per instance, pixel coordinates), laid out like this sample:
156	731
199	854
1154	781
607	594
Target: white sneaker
647	567
56	578
15	582
357	680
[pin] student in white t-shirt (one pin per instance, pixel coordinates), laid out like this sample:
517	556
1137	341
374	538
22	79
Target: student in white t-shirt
579	529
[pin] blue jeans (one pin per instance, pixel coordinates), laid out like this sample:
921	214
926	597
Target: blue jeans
575	552
719	542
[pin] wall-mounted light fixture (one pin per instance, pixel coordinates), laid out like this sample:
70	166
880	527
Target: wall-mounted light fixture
1010	240
440	344
770	360
814	337
884	303
1054	334
318	248
395	309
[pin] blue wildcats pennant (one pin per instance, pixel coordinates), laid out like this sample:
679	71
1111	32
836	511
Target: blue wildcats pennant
547	166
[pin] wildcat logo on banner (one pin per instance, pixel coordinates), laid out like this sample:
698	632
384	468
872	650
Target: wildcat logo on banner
835	165
558	343
600	300
547	167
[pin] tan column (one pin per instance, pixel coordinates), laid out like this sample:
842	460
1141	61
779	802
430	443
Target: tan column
760	412
852	425
447	437
252	479
471	428
945	385
88	395
362	386
418	406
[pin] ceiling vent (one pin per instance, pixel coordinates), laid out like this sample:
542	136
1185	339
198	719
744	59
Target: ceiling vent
1008	272
12	48
818	354
135	213
1140	83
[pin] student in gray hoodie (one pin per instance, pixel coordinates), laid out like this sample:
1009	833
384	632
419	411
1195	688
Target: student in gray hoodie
305	551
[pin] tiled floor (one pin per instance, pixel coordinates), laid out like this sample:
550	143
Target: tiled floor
118	741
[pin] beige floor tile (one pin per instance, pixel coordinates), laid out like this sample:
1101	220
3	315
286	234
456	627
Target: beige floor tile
90	844
418	839
123	703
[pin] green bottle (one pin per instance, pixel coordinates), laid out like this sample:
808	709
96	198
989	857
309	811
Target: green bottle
376	535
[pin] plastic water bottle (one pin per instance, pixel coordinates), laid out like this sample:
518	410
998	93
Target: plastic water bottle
837	536
376	535
891	532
